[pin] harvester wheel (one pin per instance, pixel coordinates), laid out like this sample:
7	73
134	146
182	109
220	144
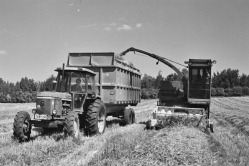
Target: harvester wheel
95	118
71	127
129	116
22	126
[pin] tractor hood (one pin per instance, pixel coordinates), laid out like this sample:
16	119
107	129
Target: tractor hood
55	95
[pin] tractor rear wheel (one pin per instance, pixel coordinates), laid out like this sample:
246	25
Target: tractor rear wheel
95	118
22	126
129	116
71	127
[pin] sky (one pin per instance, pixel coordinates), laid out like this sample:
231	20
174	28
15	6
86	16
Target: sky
37	35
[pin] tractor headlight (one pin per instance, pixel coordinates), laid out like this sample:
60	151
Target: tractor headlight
38	107
54	112
42	103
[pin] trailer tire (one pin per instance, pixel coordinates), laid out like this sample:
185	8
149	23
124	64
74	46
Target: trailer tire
22	126
129	116
95	118
211	128
133	116
72	127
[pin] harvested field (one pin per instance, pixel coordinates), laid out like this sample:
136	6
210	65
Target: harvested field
132	145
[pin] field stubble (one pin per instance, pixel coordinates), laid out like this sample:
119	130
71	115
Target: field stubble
132	145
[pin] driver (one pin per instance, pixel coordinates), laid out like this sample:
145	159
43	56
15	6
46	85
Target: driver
77	87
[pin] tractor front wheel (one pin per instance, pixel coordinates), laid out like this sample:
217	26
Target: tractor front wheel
95	118
22	126
71	127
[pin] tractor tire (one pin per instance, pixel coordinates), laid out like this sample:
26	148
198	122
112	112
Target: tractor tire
22	126
95	118
72	125
129	116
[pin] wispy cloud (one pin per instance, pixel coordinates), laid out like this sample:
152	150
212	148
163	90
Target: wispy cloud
108	28
138	25
90	25
110	24
125	27
2	52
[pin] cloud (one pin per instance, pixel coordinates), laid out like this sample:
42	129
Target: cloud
138	25
108	28
90	25
111	24
2	52
125	27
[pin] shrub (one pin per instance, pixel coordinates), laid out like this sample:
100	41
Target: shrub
237	91
229	92
213	92
149	93
220	91
145	94
245	90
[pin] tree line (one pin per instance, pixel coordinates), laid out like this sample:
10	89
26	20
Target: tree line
230	83
225	83
23	91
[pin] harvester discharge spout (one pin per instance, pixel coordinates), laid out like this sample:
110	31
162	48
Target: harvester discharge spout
159	58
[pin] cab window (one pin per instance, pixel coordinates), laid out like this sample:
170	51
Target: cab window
78	82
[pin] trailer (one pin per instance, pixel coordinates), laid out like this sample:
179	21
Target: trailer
118	83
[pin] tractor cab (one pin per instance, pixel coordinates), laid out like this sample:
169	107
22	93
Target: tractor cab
199	82
79	82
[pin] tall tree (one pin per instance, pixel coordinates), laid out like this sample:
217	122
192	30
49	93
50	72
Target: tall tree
243	80
158	79
48	84
147	81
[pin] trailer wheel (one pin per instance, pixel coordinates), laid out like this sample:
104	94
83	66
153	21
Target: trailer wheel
133	116
22	126
95	118
71	127
211	127
129	116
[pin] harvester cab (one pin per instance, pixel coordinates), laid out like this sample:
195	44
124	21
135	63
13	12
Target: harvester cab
199	82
